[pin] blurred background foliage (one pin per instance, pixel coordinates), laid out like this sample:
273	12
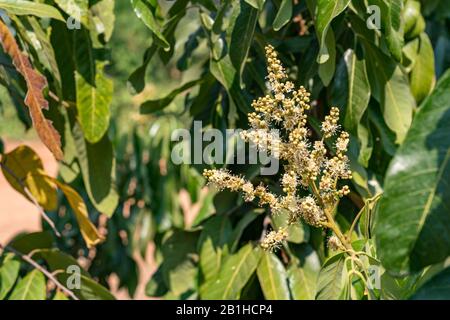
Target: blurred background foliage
204	60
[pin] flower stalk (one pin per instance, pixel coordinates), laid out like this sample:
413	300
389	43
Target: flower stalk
308	165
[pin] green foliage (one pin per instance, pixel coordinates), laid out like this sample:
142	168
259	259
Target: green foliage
273	278
31	287
331	278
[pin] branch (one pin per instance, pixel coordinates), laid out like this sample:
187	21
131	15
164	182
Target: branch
41	269
331	223
33	199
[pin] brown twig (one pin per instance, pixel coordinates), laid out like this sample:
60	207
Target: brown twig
41	269
54	96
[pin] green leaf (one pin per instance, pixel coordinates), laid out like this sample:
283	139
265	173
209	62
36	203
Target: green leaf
25	243
137	79
224	71
143	12
412	223
391	25
91	290
215	235
32	287
179	269
422	75
351	90
60	261
94	89
330	284
395	33
358	93
103	17
45	49
77	9
284	15
62	42
326	69
272	277
22	7
257	4
410	14
390	88
242	36
234	274
206	210
248	218
303	273
393	288
438	288
156	287
410	51
99	173
326	12
9	271
151	106
366	219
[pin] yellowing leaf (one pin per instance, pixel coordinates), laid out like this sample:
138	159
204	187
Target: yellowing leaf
87	228
34	99
22	168
40	186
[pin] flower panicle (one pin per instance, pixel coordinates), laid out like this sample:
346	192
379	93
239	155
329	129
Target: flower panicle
310	165
274	239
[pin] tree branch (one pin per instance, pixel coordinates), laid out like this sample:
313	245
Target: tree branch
41	269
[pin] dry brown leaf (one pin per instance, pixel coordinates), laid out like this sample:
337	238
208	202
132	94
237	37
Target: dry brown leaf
35	99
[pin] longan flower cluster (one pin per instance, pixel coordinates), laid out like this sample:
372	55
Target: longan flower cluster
273	239
308	165
334	243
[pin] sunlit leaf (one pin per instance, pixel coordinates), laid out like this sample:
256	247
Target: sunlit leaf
143	12
31	287
303	272
23	7
234	274
422	75
411	226
326	12
284	15
94	89
272	277
9	271
390	87
330	284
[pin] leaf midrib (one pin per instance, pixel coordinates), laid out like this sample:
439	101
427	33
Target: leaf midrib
427	207
234	275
